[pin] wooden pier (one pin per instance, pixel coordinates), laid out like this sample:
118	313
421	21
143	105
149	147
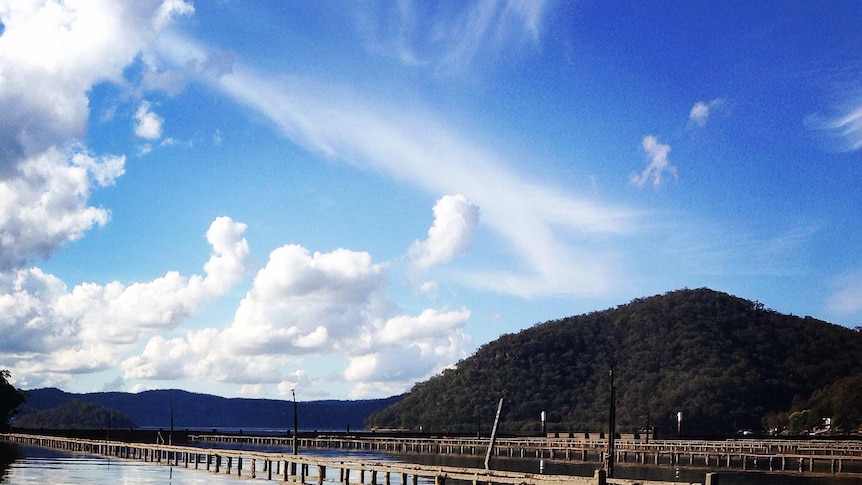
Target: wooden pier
309	470
810	456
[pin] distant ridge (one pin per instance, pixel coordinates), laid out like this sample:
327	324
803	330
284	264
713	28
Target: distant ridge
725	362
151	409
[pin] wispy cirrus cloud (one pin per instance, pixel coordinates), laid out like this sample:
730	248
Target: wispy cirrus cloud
844	129
846	298
419	149
454	37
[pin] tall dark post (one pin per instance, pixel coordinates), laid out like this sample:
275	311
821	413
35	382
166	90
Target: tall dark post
171	435
612	426
295	425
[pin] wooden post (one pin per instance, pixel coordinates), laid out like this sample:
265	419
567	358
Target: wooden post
493	435
612	426
711	479
295	425
601	477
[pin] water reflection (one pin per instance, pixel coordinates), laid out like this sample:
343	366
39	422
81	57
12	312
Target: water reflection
37	466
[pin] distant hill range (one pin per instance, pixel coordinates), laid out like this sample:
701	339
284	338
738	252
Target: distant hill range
152	409
724	362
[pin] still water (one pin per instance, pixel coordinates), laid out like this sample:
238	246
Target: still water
31	465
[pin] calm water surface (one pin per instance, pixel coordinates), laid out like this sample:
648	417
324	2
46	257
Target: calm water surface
40	466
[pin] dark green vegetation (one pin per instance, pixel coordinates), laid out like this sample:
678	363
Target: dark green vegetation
726	363
10	398
152	409
841	401
76	414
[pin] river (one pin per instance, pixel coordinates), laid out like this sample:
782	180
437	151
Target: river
31	465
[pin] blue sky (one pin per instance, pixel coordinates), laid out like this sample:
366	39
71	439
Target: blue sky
245	198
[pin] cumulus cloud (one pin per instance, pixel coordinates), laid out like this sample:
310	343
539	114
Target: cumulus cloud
658	163
455	220
51	54
701	111
148	124
89	327
45	204
169	10
311	304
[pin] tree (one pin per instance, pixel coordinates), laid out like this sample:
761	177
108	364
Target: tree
10	398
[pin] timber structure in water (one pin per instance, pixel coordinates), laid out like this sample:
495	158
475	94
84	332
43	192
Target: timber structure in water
308	469
776	455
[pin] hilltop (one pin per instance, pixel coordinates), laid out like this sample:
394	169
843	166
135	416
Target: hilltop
725	362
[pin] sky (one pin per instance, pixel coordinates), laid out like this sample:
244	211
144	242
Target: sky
342	199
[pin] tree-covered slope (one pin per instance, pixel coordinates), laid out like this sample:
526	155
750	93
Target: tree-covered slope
76	414
723	361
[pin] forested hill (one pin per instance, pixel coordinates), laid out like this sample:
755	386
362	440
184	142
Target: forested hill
726	363
192	410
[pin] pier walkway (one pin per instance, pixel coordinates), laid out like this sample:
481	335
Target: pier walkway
309	470
822	456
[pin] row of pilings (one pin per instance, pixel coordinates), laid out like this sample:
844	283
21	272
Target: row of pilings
306	469
798	456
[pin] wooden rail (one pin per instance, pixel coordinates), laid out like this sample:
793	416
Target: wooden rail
307	469
824	456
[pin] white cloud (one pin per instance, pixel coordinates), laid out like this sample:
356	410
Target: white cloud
658	163
51	54
250	390
701	111
846	128
847	296
296	379
169	10
537	220
89	328
45	203
455	220
297	293
305	304
149	124
460	35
